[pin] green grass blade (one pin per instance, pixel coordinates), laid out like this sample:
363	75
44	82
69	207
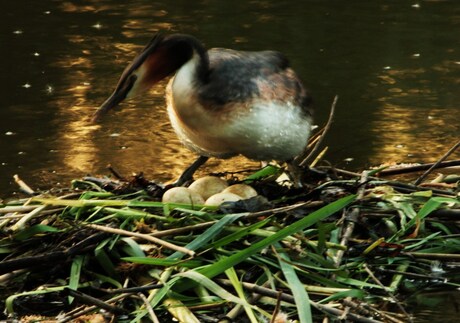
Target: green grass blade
209	234
242	232
233	277
132	248
75	271
267	171
354	293
302	301
213	287
225	263
33	230
164	262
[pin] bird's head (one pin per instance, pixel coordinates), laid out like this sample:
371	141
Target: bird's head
162	56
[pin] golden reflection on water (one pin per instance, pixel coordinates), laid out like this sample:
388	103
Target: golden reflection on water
409	127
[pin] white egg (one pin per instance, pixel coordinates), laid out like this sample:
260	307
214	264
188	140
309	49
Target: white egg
243	190
219	198
208	185
182	195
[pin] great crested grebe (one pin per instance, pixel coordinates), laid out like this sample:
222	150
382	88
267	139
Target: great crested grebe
223	102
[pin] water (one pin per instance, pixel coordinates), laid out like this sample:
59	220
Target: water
394	64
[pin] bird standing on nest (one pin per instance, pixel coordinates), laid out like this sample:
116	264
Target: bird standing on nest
223	102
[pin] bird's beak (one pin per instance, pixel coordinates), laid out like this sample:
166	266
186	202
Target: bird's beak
120	93
109	104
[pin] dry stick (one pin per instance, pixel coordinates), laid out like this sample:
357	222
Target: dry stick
434	256
21	208
290	299
87	299
424	175
406	188
23	186
149	308
277	308
176	231
323	135
417	168
367	310
72	315
378	282
350	227
132	289
142	236
353	216
238	308
22	222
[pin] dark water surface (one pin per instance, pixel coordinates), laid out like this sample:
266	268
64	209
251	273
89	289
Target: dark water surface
394	64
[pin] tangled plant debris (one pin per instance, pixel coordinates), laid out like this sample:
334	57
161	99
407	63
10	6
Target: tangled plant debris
348	246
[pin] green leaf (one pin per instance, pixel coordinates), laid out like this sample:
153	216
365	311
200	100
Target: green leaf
432	204
354	293
208	235
132	248
164	262
267	171
213	287
33	230
239	234
104	259
75	271
231	274
309	220
302	301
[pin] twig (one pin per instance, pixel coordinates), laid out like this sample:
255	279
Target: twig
402	187
72	315
87	299
132	289
277	308
416	168
176	231
378	282
290	299
149	308
142	236
435	256
20	208
435	165
23	186
369	311
22	222
323	135
351	219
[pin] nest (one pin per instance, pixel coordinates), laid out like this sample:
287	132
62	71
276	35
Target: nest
350	246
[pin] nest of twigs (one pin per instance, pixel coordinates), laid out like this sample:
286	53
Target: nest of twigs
343	247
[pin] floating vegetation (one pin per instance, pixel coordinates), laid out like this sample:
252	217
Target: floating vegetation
348	246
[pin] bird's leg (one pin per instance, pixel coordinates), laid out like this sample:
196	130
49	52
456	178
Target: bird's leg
301	174
296	173
188	173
